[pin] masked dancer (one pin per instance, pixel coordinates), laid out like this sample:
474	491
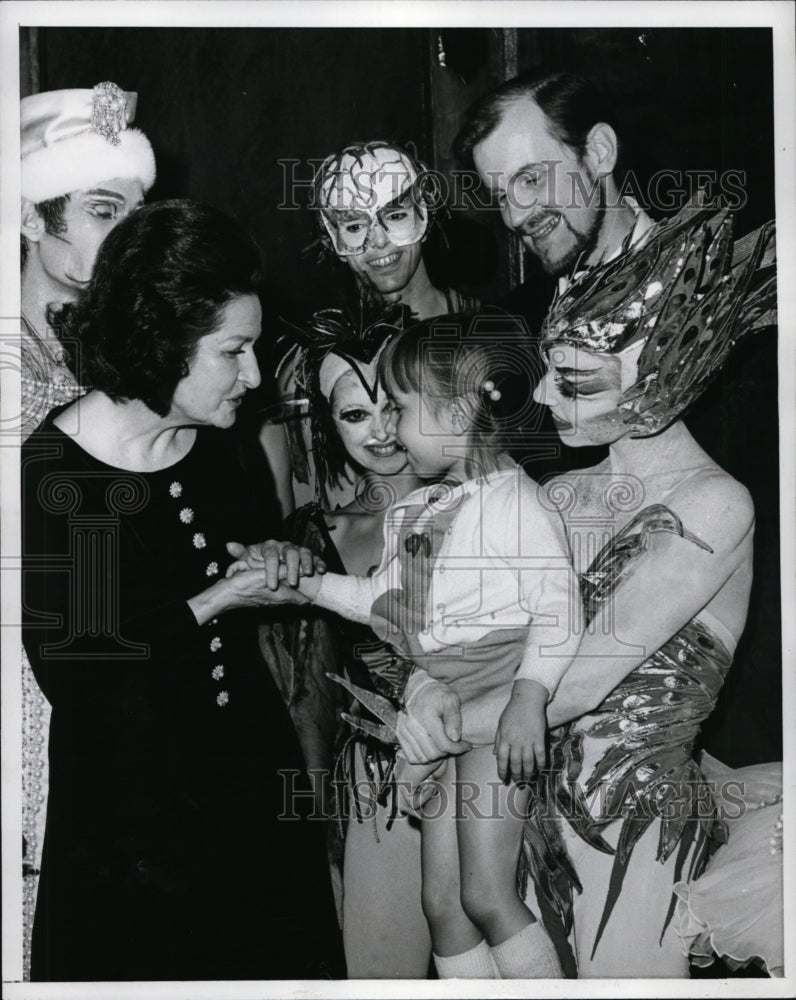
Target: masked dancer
374	851
377	205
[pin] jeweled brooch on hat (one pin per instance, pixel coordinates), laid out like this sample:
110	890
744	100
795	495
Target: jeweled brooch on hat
108	112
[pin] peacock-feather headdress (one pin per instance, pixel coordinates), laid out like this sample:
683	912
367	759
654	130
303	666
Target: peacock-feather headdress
687	292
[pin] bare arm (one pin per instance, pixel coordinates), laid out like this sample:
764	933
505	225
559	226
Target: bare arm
670	584
288	574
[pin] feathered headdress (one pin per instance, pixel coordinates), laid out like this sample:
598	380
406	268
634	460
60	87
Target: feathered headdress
331	343
688	292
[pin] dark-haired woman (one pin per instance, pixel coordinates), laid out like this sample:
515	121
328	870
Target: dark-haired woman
174	848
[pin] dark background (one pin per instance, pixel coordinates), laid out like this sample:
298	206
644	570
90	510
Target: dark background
223	106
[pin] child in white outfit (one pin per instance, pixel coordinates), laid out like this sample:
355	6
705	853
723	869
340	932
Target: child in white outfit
475	586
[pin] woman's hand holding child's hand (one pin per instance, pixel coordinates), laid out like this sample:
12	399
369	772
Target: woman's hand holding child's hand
247	588
281	562
430	725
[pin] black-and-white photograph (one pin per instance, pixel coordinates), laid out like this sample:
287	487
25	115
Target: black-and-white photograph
397	499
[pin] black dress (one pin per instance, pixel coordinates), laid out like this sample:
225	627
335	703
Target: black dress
173	847
302	650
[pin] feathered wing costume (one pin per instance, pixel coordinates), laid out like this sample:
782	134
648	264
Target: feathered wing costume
303	651
688	292
683	296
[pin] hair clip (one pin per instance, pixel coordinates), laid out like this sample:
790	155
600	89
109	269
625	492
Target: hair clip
489	388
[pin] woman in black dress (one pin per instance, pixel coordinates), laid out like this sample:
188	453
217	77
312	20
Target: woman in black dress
176	846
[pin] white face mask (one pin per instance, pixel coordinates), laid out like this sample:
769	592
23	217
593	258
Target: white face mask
380	188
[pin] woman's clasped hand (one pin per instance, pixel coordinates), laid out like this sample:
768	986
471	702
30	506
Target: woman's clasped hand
269	572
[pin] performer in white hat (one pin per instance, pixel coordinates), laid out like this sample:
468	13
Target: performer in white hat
83	171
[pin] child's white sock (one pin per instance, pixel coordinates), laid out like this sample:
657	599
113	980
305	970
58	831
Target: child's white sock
528	954
473	964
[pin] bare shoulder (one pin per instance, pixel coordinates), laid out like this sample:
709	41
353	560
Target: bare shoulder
716	491
714	506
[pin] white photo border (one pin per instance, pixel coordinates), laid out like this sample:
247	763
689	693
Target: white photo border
779	15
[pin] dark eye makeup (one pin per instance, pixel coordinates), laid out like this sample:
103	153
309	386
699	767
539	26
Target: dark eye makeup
591	386
353	416
565	387
103	209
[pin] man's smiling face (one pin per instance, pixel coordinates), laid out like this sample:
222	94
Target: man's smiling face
365	200
545	191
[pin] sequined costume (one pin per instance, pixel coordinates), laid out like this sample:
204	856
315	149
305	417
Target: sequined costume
47	380
630	760
168	852
685	294
671	305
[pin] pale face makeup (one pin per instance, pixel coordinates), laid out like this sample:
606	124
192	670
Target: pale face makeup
66	259
583	391
368	205
364	427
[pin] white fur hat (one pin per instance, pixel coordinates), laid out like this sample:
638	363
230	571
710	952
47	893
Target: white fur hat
73	139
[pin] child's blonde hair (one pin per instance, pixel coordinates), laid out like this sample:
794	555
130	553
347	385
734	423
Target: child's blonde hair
437	359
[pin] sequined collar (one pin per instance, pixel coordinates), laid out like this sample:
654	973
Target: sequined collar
55	351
